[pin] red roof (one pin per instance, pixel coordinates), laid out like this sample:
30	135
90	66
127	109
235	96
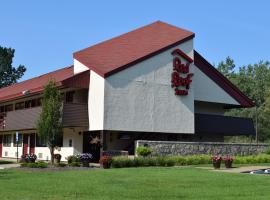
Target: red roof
222	81
36	84
125	50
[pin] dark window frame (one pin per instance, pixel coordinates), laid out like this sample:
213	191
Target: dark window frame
7	139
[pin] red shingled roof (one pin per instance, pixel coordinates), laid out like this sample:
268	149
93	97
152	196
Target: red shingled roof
125	50
36	84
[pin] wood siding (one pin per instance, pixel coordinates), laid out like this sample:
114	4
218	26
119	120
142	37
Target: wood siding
74	115
22	119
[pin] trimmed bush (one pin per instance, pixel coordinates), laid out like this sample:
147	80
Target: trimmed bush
120	162
143	151
75	164
267	151
35	165
73	159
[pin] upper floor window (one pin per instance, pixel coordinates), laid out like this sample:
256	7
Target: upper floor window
20	139
19	106
7	140
70	97
8	108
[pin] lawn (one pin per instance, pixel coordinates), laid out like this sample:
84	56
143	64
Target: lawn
133	183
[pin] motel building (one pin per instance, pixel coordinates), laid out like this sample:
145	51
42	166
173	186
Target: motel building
147	84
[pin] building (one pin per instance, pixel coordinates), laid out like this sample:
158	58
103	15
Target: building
148	84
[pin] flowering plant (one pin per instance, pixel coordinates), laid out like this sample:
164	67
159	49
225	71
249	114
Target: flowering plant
29	158
216	158
228	158
106	161
85	157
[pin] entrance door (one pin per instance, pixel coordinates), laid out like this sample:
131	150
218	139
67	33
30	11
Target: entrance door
25	144
32	143
1	145
91	144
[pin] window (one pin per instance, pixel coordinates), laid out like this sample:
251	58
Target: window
20	139
19	106
7	140
70	97
28	104
2	109
40	142
70	143
8	108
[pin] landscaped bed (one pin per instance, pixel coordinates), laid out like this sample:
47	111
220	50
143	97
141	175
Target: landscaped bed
3	162
133	183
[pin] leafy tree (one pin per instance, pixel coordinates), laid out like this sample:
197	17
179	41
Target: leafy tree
254	81
49	125
8	73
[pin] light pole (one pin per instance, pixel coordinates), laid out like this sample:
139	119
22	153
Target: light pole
256	126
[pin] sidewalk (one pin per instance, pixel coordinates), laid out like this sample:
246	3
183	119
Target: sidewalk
10	165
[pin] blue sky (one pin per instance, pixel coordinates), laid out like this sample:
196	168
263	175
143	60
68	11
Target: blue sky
45	34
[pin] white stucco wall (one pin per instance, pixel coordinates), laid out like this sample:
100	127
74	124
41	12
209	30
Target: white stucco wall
43	153
207	90
96	102
79	67
140	98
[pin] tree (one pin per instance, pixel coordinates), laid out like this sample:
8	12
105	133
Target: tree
254	81
8	73
49	126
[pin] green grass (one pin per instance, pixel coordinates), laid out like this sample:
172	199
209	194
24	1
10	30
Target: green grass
133	183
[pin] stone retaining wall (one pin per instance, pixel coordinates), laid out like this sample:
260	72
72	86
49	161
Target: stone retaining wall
162	148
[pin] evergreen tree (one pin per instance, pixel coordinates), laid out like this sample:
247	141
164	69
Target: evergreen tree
8	73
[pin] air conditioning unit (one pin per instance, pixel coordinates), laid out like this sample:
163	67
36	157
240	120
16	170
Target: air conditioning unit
25	92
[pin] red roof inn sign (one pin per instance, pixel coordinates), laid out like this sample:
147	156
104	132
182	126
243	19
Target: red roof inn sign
181	78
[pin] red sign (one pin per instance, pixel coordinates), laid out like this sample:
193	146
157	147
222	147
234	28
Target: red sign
181	78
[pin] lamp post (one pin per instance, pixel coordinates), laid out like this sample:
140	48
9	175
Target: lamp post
17	140
256	124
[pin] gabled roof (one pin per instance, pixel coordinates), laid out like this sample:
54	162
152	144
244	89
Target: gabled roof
128	49
222	81
36	84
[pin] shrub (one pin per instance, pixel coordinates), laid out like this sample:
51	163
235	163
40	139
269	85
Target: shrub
143	151
138	162
119	162
35	165
149	161
41	164
161	161
73	159
170	162
75	164
61	165
267	151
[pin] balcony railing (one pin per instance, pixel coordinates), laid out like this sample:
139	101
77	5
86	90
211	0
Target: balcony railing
74	115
